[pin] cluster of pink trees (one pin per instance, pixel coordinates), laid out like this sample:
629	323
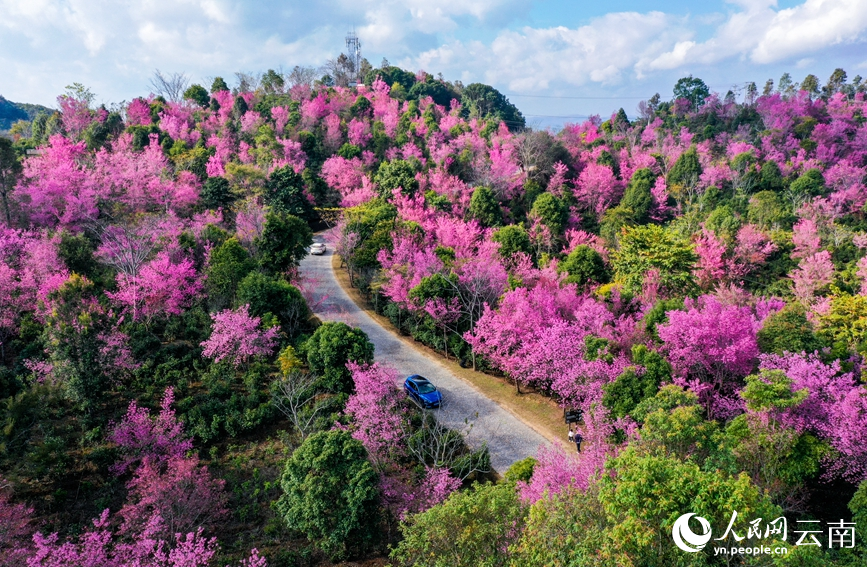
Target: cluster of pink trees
516	309
173	502
514	247
380	422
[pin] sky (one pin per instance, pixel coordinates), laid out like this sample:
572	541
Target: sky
558	61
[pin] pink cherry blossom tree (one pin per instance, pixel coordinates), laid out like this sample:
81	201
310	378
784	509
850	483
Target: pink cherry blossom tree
141	436
237	337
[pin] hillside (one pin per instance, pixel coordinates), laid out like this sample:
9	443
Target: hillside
11	112
693	280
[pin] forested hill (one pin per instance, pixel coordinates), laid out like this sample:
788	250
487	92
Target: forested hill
693	278
12	112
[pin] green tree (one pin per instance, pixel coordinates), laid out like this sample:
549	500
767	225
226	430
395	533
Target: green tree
484	101
564	530
512	238
723	221
391	75
778	458
551	211
283	242
239	107
284	192
810	184
858	507
810	84
227	266
10	171
272	81
471	528
676	427
278	297
76	251
37	128
788	330
521	470
692	89
684	173
612	224
644	248
330	494
584	266
636	384
646	492
219	85
77	346
485	208
771	177
637	198
329	349
844	325
216	193
396	173
360	107
198	94
437	90
767	210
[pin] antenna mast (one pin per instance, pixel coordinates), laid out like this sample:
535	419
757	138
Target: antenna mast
353	51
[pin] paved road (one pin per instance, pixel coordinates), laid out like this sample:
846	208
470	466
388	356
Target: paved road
508	438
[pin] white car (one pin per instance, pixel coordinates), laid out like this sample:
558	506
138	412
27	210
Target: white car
317	249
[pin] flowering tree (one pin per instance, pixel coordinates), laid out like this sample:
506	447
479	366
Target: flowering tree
236	337
57	185
377	410
15	520
711	345
812	274
183	494
142	437
160	287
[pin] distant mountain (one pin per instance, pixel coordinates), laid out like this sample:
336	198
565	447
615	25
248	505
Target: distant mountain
11	112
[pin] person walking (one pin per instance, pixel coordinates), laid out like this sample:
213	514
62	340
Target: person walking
578	439
571	435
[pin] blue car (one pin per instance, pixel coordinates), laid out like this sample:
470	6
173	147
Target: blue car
422	392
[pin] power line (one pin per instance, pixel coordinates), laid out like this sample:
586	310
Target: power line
556	116
581	97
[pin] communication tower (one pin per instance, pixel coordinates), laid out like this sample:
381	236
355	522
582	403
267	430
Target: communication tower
353	51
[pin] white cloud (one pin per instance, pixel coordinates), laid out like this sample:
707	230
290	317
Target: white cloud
535	58
114	45
813	25
620	45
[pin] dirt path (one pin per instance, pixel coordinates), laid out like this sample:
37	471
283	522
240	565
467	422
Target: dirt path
509	438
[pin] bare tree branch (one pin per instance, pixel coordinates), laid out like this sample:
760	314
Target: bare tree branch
436	445
295	396
171	87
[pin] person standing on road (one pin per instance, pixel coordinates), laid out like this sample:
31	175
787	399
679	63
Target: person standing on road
578	439
571	435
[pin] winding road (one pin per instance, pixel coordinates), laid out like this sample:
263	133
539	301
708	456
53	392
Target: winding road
509	439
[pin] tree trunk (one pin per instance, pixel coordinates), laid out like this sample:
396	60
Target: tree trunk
6	208
446	343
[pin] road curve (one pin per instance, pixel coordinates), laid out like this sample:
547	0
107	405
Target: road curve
508	438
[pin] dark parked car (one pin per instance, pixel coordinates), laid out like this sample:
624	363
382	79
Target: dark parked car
422	391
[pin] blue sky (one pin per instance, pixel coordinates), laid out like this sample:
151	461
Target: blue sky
575	58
